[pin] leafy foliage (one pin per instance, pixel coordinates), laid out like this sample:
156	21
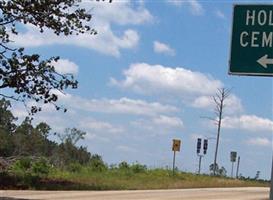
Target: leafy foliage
218	171
41	167
28	76
123	165
26	140
96	163
138	168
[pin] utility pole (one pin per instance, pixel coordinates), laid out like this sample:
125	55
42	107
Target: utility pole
271	188
238	167
219	99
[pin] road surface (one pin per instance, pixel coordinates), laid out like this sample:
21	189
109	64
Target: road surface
183	194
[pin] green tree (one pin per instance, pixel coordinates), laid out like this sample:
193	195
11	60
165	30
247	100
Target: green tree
222	171
7	127
71	135
43	129
28	76
218	171
124	165
24	144
68	152
6	117
96	163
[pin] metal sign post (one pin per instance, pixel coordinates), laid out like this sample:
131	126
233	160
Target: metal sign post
173	162
175	148
232	165
271	188
200	160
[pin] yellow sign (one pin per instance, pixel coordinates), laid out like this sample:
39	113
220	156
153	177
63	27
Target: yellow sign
176	145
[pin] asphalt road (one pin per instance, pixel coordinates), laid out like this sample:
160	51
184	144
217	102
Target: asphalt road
185	194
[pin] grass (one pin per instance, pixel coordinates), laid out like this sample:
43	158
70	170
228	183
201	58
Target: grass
151	179
119	179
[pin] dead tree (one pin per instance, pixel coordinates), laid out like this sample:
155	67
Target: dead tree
219	99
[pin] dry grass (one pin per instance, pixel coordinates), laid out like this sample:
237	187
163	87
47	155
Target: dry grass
151	179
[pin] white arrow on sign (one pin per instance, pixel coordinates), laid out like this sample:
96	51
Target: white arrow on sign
264	61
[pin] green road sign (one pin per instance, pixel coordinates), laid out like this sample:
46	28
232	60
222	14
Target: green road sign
252	40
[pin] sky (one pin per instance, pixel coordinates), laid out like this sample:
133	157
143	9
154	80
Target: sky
149	76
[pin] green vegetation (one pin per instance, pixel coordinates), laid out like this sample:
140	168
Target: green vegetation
29	77
29	160
137	176
25	140
101	177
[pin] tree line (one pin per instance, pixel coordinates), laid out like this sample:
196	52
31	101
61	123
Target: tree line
25	139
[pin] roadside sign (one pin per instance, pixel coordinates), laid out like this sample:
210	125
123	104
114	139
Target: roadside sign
233	156
205	146
199	143
175	148
176	145
252	40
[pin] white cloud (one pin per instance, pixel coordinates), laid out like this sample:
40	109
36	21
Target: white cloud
220	14
58	121
195	7
111	13
120	106
158	125
168	121
259	142
160	80
104	16
175	2
203	102
126	149
65	66
72	118
163	48
95	126
195	136
232	104
79	108
114	106
250	123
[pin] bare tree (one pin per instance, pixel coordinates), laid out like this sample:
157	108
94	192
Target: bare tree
219	99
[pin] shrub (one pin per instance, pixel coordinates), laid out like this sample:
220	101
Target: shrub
21	166
138	168
96	163
40	167
74	167
113	167
27	167
124	165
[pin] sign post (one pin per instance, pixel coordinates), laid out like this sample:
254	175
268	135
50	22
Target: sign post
175	147
252	44
271	188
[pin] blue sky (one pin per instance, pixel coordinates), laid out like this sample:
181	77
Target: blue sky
149	76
